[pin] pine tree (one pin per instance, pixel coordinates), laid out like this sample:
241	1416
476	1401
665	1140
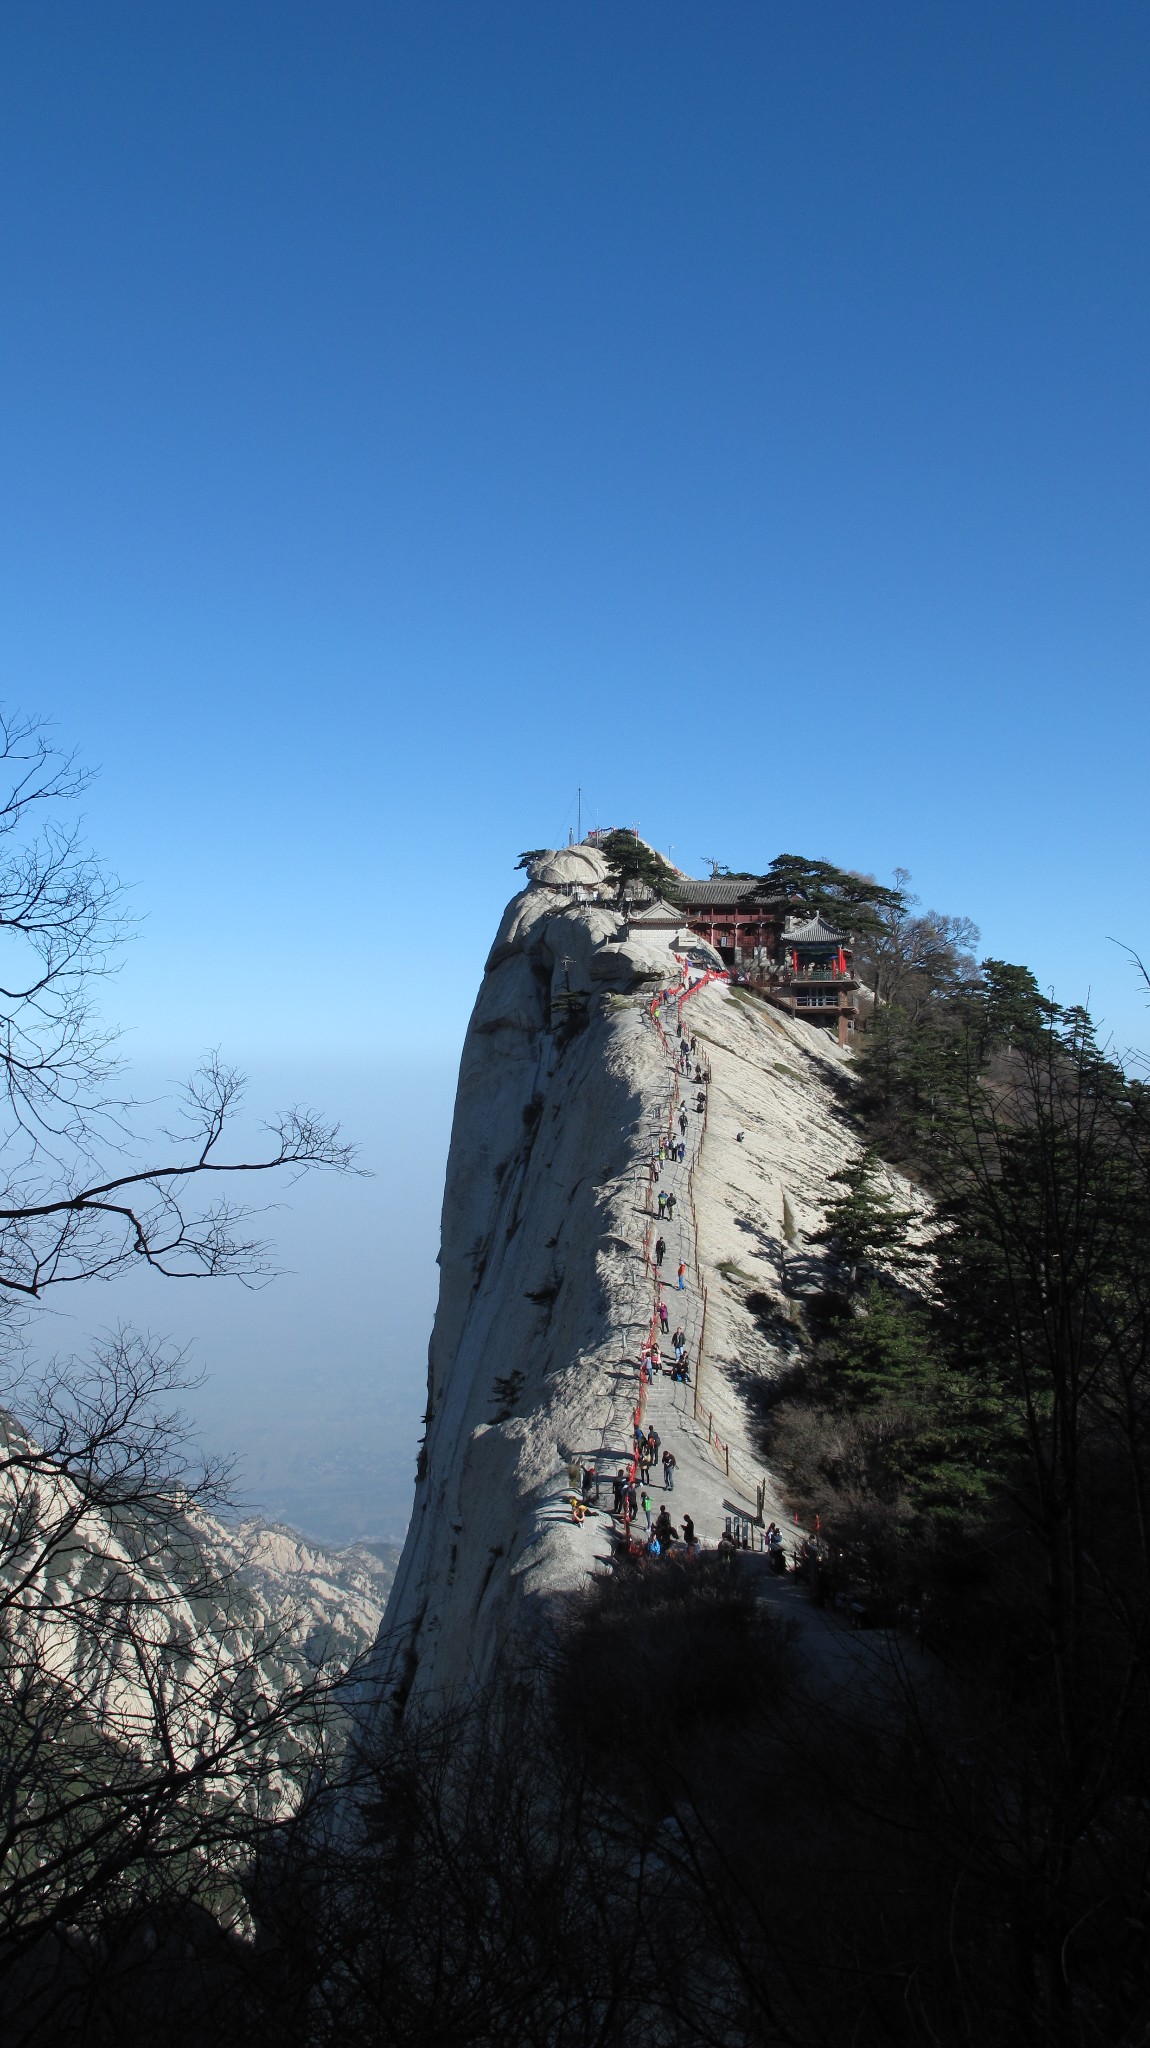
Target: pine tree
856	901
630	859
864	1226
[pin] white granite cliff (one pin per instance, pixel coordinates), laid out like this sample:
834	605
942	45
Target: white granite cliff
146	1626
546	1296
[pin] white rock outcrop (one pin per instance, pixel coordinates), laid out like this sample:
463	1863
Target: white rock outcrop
546	1297
99	1603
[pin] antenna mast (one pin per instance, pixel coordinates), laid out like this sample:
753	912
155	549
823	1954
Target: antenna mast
579	814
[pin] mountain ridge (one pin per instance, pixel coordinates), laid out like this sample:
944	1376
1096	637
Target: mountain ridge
570	1078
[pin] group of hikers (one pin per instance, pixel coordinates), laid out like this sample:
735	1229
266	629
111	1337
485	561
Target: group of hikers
630	1500
662	1534
651	1360
631	1497
631	1484
685	1056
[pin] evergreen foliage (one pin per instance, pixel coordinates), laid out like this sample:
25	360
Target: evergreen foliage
863	1225
979	1450
630	859
857	902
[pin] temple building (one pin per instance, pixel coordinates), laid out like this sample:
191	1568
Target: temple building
802	965
733	914
813	976
668	920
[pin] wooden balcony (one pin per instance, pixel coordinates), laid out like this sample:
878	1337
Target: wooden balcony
823	997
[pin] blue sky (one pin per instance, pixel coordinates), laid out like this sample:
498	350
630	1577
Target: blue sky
414	412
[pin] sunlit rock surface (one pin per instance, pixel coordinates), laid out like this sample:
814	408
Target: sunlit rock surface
545	1296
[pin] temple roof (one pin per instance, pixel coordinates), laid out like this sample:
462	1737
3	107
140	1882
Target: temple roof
813	932
658	914
720	892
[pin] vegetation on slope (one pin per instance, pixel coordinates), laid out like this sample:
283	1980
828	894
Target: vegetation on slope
630	859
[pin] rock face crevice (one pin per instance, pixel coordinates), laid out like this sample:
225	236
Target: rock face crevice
547	1292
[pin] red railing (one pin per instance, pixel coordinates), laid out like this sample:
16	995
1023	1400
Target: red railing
715	1442
721	1449
654	1331
712	974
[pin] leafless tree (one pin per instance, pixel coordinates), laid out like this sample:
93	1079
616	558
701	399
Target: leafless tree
151	1723
912	956
76	1202
154	1723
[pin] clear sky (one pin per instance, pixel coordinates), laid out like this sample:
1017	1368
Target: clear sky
415	412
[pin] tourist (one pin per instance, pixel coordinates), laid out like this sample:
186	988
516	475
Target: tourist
664	1318
669	1206
656	1358
683	1123
653	1442
662	1202
645	1504
682	1276
660	1248
618	1484
739	1136
668	1471
590	1484
663	1530
689	1536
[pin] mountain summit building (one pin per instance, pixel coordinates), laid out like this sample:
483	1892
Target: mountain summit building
801	965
